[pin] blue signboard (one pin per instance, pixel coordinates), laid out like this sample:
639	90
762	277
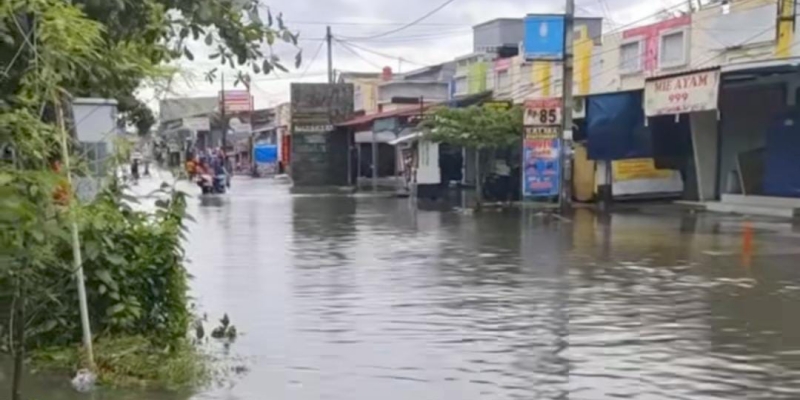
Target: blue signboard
541	174
544	37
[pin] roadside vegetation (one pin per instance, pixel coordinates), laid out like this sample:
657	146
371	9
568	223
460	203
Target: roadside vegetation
484	130
52	51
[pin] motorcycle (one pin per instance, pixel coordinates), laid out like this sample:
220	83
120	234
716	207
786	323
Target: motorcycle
212	184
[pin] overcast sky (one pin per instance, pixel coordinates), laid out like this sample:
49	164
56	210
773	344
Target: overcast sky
441	37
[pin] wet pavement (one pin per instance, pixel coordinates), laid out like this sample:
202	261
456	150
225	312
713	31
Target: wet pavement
351	298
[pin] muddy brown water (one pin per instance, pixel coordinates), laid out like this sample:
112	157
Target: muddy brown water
350	298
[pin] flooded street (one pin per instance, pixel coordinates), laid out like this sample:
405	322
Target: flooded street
351	298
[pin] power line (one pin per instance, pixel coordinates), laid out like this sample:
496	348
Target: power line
416	38
410	24
353	52
314	58
347	23
391	57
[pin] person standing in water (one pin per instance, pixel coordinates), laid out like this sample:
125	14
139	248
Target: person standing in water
135	170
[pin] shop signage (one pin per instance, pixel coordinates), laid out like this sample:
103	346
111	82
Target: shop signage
541	132
682	94
498	105
638	168
542	112
544	37
196	123
541	167
236	101
312	128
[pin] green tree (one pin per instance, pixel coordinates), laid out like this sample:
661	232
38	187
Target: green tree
483	129
51	50
137	38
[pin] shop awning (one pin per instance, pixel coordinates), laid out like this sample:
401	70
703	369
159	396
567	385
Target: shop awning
379	137
405	138
370	118
615	127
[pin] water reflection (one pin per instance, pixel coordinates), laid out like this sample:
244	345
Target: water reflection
356	298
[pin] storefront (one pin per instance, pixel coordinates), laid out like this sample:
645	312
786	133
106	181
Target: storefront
635	156
759	144
681	110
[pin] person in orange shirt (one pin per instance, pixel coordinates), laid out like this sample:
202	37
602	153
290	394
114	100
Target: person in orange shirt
191	168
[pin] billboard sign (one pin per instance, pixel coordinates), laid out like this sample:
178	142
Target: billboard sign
541	162
542	112
196	123
544	37
236	101
680	94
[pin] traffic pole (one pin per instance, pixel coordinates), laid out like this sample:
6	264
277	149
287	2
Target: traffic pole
565	198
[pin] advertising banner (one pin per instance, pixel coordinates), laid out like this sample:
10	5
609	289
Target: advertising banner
638	168
542	112
541	162
236	101
197	123
682	94
544	37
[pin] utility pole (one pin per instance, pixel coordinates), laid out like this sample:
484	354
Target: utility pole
565	200
223	115
329	39
76	242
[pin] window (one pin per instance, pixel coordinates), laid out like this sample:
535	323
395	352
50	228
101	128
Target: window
461	85
96	154
672	49
630	57
503	83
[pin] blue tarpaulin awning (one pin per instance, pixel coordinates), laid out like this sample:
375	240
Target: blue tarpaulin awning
615	127
265	153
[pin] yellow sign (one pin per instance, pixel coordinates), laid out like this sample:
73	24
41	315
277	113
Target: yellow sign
541	132
786	22
638	168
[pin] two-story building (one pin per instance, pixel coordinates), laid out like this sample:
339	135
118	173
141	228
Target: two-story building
699	105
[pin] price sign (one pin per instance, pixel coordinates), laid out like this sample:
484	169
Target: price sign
543	112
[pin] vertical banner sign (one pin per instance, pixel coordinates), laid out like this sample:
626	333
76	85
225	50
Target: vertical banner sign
544	37
540	162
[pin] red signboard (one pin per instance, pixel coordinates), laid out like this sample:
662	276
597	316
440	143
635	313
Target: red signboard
236	101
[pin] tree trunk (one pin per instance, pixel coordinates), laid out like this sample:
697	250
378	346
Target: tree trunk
18	343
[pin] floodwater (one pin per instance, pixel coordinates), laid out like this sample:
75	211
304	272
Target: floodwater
363	298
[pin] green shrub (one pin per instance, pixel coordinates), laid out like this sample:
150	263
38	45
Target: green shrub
136	282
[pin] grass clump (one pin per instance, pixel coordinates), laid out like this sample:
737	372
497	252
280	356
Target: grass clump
134	362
